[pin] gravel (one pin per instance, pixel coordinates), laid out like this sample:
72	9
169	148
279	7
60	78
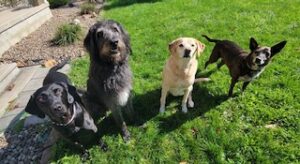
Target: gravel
36	48
25	146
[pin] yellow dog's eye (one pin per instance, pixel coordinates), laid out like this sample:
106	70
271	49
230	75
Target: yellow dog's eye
180	45
193	45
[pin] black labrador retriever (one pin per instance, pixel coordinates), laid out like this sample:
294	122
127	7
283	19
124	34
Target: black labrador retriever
60	101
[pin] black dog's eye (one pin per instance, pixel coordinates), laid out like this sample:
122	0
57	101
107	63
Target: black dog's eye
42	98
180	45
267	54
56	91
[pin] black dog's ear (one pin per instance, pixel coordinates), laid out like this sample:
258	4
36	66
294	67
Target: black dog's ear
69	96
253	44
277	48
32	108
73	91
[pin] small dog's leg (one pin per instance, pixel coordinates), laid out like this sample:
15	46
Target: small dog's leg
185	98
213	57
164	93
117	114
220	64
233	81
245	84
190	101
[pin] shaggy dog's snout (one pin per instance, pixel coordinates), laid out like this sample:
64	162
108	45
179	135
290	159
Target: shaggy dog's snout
187	53
114	44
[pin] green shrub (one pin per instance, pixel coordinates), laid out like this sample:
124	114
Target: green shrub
57	3
87	8
67	34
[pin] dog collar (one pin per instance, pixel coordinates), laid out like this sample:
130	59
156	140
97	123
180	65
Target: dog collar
72	118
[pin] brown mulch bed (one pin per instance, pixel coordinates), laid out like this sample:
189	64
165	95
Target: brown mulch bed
37	47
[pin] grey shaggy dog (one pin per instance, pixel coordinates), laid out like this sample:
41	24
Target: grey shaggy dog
110	79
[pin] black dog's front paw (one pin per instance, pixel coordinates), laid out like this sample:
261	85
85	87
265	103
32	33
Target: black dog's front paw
85	155
103	146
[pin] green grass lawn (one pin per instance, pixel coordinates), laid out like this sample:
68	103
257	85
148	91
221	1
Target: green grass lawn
217	130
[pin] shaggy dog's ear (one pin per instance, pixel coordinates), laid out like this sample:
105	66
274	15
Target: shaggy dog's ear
33	109
89	42
126	38
172	45
200	47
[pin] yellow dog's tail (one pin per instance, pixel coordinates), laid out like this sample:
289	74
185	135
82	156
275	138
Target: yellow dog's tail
198	80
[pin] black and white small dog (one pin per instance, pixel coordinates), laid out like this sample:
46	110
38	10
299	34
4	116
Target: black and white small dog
59	100
110	79
242	65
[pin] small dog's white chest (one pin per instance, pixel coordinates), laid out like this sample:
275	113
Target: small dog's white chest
248	78
123	97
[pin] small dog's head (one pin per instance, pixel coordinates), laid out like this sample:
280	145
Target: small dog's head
260	56
108	41
186	48
53	100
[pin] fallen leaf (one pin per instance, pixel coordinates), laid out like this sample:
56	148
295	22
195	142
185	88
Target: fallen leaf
49	63
271	126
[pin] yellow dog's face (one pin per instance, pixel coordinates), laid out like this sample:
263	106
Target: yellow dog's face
186	47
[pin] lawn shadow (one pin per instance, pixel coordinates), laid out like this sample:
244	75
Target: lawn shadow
203	100
123	3
146	107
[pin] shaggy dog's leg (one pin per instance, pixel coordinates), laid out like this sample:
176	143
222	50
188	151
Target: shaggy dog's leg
117	114
129	110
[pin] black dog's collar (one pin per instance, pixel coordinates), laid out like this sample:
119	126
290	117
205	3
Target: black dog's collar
72	118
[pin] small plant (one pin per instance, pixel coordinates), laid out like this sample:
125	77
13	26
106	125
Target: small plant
57	3
67	34
87	8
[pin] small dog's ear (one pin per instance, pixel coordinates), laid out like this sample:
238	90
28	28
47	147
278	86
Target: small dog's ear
277	48
33	109
172	45
253	44
200	47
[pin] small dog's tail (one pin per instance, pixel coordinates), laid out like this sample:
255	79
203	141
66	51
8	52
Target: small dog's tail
211	40
198	80
59	66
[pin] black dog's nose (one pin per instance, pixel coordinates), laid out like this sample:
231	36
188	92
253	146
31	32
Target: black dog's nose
58	107
187	53
114	44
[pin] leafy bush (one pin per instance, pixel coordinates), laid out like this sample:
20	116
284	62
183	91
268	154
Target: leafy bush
67	34
57	3
87	8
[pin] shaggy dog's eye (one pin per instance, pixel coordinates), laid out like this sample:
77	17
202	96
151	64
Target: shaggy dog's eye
180	45
115	29
99	34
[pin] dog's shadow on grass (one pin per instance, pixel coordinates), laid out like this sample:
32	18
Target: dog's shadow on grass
123	3
204	102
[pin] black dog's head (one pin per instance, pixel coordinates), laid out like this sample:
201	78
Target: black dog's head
53	100
107	41
260	56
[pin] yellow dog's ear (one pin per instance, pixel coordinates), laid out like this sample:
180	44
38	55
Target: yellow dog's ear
172	45
200	47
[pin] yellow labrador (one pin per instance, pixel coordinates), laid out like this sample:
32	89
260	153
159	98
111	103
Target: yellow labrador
180	70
